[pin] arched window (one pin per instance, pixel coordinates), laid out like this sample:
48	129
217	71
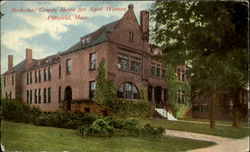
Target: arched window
128	91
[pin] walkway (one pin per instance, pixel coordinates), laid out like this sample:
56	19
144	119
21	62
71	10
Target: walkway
223	144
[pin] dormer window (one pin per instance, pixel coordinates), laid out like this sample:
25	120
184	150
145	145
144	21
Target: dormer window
131	36
85	40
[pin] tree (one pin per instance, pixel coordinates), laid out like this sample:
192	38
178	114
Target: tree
105	91
205	36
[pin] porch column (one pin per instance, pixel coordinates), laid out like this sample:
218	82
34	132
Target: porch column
153	104
153	94
162	95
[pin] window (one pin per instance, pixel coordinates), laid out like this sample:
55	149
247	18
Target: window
128	91
36	76
59	94
39	76
92	86
39	96
49	95
13	79
68	66
49	74
35	96
123	64
157	70
30	96
158	73
4	81
27	78
27	96
163	73
131	36
85	40
129	63
44	95
181	75
135	66
153	71
181	96
59	74
30	77
92	64
44	75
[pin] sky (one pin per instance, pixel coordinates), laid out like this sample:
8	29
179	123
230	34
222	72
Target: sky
36	30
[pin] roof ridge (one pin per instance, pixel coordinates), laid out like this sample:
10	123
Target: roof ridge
99	36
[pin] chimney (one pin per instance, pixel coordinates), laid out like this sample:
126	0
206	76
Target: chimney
28	58
144	24
10	62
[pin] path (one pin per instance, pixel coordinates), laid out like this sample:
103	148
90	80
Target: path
223	144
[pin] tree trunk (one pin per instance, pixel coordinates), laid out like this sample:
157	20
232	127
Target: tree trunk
212	109
235	110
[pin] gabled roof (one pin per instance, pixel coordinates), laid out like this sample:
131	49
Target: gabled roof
97	37
20	67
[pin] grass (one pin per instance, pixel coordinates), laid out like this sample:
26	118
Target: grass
26	137
218	122
219	130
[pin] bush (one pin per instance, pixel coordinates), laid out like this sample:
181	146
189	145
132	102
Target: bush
109	126
65	119
100	127
130	124
127	108
16	111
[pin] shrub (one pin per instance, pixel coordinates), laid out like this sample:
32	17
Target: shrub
130	108
130	124
16	111
100	127
109	126
65	119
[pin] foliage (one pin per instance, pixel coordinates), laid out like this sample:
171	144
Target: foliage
109	126
16	111
65	119
130	108
105	91
99	127
207	42
178	109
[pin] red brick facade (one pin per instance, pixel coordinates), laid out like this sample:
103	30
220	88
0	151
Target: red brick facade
124	46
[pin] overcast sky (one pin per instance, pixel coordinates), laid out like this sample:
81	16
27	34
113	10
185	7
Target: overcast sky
46	37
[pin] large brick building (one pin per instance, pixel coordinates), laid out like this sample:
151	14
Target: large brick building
66	80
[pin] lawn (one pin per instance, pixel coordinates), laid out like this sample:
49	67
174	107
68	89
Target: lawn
218	122
219	130
25	137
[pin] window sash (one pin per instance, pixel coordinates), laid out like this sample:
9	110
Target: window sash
128	91
93	61
49	95
135	66
123	64
69	66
